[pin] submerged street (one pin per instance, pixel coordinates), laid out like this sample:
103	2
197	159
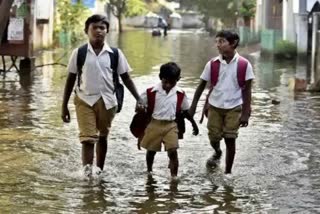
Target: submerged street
276	169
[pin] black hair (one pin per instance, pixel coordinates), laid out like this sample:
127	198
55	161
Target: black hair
231	37
94	19
170	71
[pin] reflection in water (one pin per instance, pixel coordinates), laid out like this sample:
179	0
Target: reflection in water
276	156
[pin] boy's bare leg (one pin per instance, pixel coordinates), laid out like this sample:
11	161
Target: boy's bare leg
150	158
87	153
174	162
101	151
216	147
230	153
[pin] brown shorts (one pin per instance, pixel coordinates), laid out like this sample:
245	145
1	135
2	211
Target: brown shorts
158	132
223	123
93	121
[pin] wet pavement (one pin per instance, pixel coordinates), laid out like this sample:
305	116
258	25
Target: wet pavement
276	170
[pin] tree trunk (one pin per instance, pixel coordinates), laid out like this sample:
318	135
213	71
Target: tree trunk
4	15
119	23
247	20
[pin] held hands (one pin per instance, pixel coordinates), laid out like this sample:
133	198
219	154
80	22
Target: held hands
140	107
65	115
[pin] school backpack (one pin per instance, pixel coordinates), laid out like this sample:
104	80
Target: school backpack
215	68
114	58
241	72
141	120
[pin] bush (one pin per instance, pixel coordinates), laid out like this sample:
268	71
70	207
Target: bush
286	49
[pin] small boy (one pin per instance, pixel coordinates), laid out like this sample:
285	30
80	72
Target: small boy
164	101
229	100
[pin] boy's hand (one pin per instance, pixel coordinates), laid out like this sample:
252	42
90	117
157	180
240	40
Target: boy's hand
244	120
65	115
140	107
195	131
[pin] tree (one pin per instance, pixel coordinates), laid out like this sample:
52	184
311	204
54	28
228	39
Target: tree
247	10
122	8
226	11
70	18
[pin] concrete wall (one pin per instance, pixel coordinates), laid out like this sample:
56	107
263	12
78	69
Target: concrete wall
302	32
43	23
288	20
191	20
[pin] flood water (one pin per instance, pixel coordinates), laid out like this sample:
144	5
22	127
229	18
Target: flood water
277	165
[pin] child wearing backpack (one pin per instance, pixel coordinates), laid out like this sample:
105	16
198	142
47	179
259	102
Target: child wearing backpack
229	99
98	94
164	102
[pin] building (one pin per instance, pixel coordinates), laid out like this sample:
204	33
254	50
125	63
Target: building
286	20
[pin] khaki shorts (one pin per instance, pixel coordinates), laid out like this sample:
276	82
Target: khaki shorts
93	121
223	123
158	132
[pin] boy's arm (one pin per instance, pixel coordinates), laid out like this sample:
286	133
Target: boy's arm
71	79
193	123
246	106
131	86
196	97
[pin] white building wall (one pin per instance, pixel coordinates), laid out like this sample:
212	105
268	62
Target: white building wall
288	19
302	32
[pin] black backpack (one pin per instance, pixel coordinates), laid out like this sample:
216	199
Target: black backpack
114	57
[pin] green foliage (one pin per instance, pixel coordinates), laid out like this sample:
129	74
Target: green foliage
70	19
247	8
127	7
285	49
225	10
135	7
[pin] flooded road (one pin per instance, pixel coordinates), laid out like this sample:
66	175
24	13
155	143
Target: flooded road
276	170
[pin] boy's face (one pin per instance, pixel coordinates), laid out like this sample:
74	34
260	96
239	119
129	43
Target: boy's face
97	32
167	85
223	45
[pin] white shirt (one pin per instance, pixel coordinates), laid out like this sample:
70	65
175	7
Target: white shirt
165	104
227	92
96	77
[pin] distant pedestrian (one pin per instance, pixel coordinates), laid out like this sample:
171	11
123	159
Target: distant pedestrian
165	103
228	105
164	25
98	94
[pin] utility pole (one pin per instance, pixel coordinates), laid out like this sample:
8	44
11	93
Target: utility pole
5	6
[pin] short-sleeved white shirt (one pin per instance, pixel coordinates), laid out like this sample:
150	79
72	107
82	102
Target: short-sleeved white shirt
96	77
166	104
227	92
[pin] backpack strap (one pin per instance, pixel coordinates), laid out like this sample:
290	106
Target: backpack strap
215	66
151	96
114	59
242	70
81	58
180	96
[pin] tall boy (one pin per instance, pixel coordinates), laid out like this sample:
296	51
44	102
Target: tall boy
230	76
95	100
164	101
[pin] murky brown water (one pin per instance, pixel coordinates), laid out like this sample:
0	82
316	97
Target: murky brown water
277	167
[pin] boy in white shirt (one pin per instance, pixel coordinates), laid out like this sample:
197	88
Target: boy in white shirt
229	100
164	101
95	100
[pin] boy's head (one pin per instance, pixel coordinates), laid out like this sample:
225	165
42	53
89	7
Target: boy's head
96	27
169	75
226	41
